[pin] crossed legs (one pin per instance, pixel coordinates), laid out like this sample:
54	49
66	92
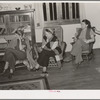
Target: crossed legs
10	57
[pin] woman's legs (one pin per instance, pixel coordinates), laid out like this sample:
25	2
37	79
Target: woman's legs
18	54
59	64
44	72
31	61
6	66
11	55
43	59
10	61
77	51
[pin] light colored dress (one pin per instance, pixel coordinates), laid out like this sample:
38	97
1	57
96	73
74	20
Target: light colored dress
81	44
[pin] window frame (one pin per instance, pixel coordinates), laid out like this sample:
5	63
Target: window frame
60	20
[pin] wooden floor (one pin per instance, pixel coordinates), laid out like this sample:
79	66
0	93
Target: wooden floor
87	76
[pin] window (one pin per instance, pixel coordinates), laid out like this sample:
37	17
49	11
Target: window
19	18
1	19
61	13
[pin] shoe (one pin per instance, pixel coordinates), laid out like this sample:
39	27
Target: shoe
67	60
76	66
37	70
34	69
44	74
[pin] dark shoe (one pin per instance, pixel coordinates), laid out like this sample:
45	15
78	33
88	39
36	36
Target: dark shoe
67	60
34	70
37	70
44	74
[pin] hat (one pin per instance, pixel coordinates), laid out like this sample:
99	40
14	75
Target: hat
49	30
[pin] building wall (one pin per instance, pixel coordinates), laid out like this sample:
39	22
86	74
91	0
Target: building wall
86	11
68	33
92	12
68	30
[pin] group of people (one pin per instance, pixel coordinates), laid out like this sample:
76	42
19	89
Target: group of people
50	48
20	49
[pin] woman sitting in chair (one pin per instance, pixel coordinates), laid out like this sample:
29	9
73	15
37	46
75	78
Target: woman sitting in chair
16	51
84	36
50	48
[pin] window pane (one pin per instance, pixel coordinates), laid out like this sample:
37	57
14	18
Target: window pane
63	11
67	10
12	18
55	11
51	12
25	18
73	10
44	12
77	10
1	19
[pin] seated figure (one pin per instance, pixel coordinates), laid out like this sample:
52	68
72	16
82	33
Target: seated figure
18	50
82	39
50	48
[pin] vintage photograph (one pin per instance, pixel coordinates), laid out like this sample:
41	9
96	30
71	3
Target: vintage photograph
50	45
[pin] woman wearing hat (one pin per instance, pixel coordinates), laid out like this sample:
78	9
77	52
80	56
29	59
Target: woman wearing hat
50	48
16	51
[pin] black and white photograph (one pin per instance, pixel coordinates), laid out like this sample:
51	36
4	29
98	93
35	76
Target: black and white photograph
50	45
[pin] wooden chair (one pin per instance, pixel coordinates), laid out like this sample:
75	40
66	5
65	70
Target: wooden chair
86	54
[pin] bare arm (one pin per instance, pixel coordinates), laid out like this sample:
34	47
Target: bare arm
96	31
46	48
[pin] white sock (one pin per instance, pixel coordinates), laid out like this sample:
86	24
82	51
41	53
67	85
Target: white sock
37	66
11	70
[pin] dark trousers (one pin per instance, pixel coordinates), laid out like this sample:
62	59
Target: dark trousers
44	56
12	55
